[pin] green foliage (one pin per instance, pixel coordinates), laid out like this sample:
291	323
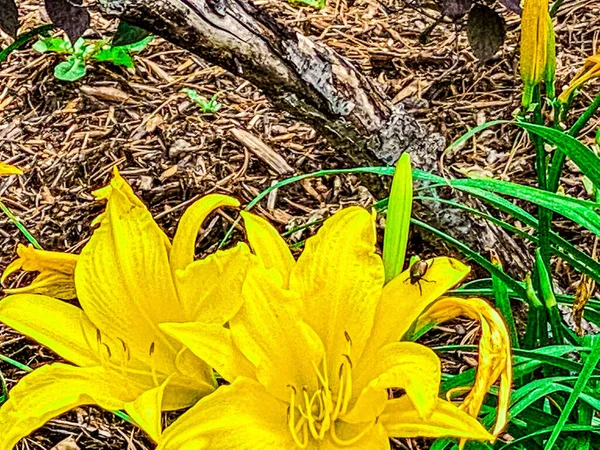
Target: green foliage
209	106
78	55
317	4
397	225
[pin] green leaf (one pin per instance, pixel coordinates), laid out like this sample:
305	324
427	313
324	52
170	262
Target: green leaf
136	46
588	368
503	303
128	34
580	211
398	219
53	44
116	55
24	38
587	161
71	70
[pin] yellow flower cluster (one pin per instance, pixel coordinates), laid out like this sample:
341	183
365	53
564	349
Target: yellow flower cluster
311	350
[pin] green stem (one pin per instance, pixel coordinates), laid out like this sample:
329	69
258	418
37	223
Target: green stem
559	157
544	216
24	39
20	226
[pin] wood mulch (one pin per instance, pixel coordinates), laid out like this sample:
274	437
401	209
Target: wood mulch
67	137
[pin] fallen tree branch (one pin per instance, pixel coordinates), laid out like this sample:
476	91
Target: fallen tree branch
298	75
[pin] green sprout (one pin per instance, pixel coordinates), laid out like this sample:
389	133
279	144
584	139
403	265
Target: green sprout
78	55
208	106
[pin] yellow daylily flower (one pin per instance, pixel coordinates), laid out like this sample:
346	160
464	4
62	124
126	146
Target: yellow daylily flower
128	279
56	276
590	70
538	48
7	169
315	349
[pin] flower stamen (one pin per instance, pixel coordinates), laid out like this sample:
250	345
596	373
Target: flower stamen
292	421
346	442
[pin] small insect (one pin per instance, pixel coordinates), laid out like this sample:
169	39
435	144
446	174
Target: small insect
417	273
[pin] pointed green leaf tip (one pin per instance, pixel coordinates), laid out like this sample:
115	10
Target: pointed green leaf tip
398	219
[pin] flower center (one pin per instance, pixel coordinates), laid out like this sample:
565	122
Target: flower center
313	415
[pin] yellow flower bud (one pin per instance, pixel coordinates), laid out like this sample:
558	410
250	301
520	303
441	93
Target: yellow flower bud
538	48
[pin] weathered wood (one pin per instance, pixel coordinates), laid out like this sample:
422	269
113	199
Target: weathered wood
301	76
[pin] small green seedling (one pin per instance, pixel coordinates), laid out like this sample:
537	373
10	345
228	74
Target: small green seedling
75	66
317	4
208	106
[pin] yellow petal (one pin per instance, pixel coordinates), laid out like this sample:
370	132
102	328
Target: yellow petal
62	327
402	302
269	331
7	169
240	416
194	380
213	344
591	69
124	282
52	390
402	420
146	410
210	289
402	365
375	439
268	245
339	278
56	277
184	242
495	360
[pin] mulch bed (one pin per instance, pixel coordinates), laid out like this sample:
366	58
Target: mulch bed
69	136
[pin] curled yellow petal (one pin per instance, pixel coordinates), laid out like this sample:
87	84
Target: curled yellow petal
184	242
495	360
56	272
7	169
590	70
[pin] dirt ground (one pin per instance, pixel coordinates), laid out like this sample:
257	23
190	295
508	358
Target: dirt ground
67	137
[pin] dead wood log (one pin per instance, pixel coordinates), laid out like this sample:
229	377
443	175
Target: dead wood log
315	85
298	75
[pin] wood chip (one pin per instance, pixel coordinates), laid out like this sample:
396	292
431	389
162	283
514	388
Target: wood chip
66	444
107	93
262	150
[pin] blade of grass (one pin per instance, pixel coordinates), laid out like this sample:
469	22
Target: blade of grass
588	368
479	259
20	226
16	364
294	179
